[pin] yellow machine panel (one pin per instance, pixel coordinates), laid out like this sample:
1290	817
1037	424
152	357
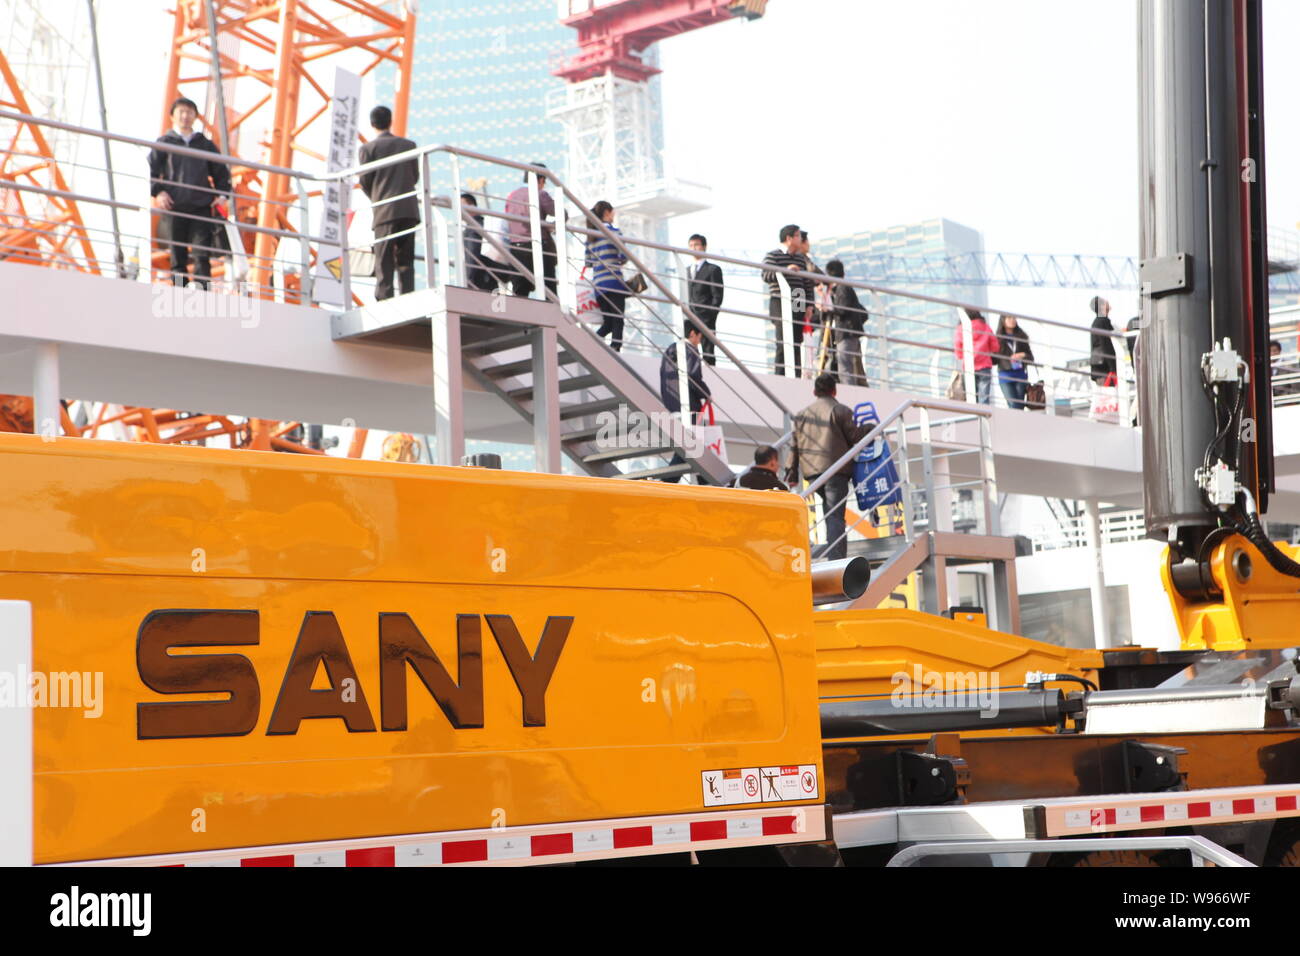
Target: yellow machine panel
298	649
871	653
1257	607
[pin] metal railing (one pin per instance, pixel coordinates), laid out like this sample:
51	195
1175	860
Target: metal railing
1117	527
909	341
940	476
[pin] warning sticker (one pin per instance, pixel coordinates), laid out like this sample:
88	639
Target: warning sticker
724	788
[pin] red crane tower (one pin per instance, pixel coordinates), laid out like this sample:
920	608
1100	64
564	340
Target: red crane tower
606	107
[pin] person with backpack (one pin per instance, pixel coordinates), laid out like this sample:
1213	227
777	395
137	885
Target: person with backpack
605	261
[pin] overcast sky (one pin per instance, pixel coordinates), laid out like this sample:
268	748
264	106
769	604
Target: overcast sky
1015	117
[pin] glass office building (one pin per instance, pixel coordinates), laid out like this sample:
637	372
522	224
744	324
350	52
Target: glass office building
481	73
911	324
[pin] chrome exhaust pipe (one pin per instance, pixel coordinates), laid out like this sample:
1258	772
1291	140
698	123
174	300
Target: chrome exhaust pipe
837	581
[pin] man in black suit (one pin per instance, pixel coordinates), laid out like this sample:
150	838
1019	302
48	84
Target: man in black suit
704	292
392	215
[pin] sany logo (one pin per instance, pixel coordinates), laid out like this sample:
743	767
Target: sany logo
75	908
321	645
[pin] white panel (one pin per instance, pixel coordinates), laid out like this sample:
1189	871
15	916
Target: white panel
1192	716
16	734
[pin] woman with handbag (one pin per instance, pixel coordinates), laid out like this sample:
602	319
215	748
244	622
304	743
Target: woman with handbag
605	261
1013	358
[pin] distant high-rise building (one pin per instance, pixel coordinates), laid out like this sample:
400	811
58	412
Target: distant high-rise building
481	73
909	366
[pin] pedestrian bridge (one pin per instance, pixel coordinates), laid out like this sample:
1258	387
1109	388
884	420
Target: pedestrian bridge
457	363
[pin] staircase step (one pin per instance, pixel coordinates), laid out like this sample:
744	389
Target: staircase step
582	409
523	366
667	471
525	392
498	343
622	454
579	435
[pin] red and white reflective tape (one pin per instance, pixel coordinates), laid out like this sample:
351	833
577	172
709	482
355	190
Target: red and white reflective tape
1187	808
522	846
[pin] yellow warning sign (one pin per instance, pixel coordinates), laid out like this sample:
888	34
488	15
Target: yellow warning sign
335	267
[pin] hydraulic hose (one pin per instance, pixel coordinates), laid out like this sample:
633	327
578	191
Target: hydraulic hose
1255	534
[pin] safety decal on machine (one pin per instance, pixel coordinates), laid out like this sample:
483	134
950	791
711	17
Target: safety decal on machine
724	788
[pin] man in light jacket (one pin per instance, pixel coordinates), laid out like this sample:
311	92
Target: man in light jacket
823	433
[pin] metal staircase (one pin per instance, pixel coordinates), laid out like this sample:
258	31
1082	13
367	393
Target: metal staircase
593	388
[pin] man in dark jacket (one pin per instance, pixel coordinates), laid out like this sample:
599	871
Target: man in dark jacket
850	319
1103	346
789	256
186	188
704	292
670	394
390	190
823	433
761	475
699	391
478	274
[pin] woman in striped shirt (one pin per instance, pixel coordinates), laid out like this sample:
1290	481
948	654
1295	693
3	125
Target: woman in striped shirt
605	261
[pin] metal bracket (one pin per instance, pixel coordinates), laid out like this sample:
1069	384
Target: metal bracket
1166	274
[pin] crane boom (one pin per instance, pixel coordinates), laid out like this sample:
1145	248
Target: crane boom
612	35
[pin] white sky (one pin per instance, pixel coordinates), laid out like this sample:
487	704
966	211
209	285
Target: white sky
1015	117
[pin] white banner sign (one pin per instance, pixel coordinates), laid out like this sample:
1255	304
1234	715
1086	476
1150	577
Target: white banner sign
345	115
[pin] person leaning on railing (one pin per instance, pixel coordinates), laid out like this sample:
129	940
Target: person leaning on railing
186	189
788	256
849	321
823	434
605	261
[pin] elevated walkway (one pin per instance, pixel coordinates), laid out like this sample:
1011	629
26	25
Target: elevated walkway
118	342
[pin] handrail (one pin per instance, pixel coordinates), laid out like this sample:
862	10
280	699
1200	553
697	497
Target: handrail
415	154
929	403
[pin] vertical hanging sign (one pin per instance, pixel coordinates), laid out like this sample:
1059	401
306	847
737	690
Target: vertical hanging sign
345	113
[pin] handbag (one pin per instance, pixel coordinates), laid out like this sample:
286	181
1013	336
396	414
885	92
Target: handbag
1105	401
1036	397
710	435
586	298
637	284
957	387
